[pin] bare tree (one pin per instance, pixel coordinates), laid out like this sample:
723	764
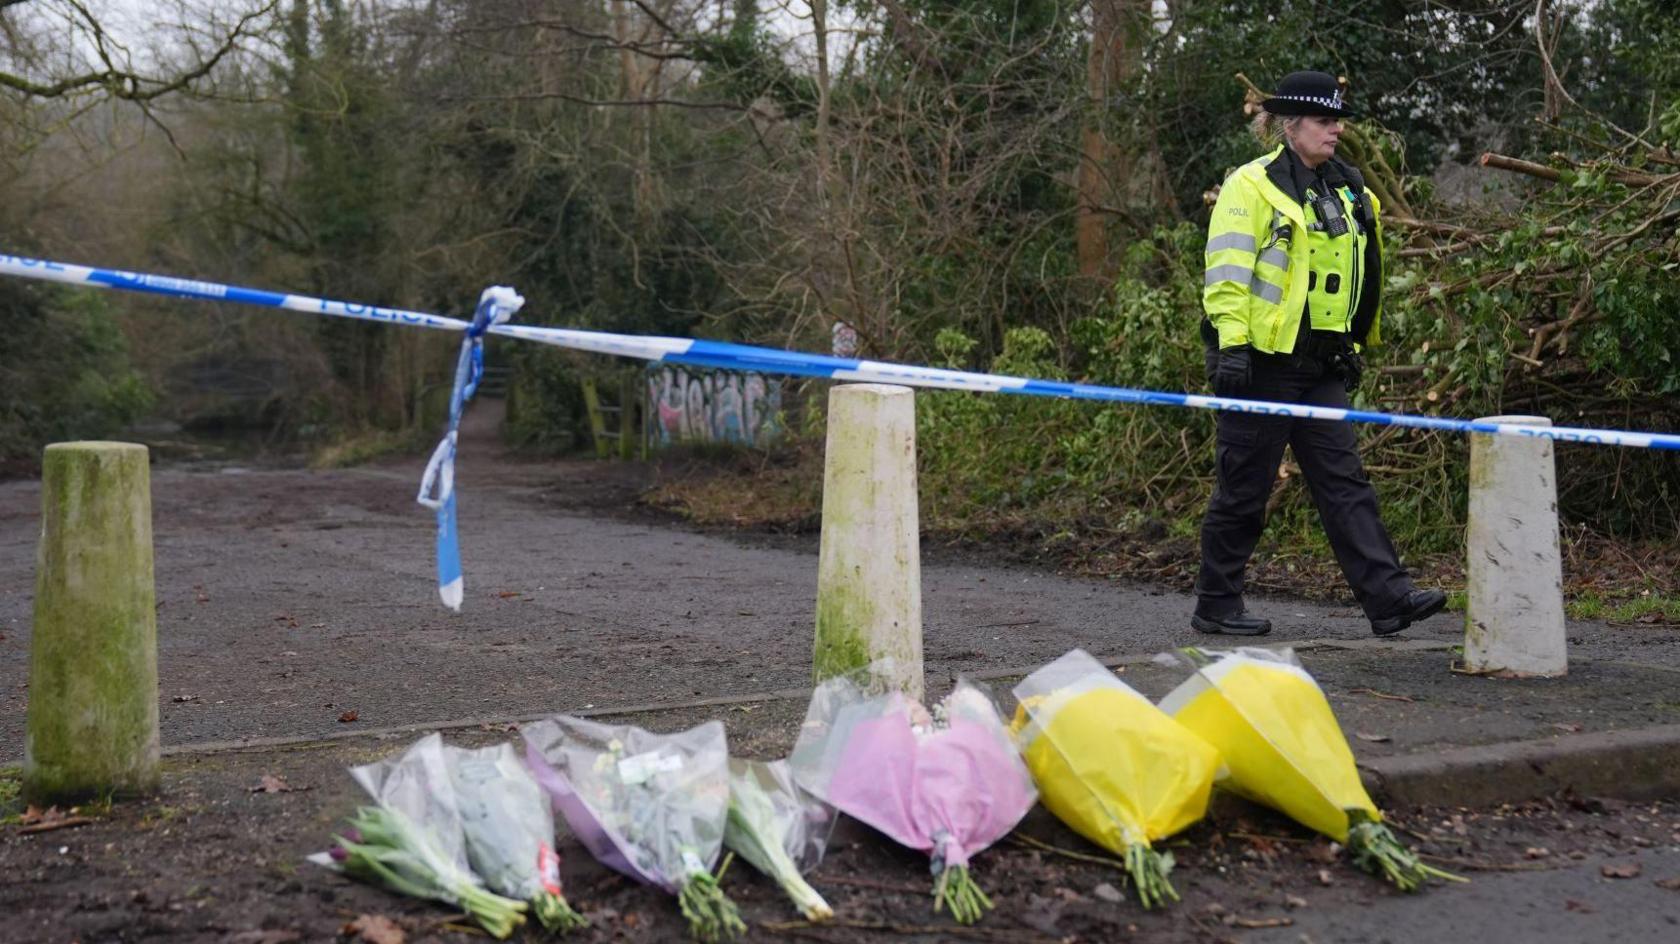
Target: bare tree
93	60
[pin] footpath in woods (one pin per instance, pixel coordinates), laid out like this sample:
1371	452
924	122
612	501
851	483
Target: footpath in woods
299	633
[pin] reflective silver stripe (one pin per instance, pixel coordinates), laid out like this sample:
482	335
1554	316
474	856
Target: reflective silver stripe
1266	291
1228	273
1241	241
1277	257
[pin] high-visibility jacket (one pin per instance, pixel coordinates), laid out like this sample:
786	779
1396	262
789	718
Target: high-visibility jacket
1255	287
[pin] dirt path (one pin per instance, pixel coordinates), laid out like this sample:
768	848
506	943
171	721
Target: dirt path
288	597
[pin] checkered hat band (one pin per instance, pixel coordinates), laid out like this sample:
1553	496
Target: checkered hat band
1335	102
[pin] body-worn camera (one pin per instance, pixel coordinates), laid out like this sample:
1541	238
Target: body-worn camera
1328	209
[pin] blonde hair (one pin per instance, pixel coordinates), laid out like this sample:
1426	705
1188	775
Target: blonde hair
1269	128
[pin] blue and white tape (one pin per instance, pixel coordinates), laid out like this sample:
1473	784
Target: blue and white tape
720	354
496	305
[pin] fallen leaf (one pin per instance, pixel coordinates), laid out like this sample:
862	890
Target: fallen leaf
1570	904
1107	892
272	784
272	936
1672	884
1571	727
1373	738
348	717
1294	901
184	698
1325	878
1537	852
375	929
1324	853
1625	870
508	594
37	820
1263	922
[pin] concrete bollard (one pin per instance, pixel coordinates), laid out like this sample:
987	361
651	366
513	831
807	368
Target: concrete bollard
92	727
1513	622
869	569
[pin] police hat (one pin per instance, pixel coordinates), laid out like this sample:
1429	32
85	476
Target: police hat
1307	93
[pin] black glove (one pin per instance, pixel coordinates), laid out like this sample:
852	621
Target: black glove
1233	371
1351	367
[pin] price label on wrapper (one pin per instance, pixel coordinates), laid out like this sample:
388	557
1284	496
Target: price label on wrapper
642	767
548	869
692	864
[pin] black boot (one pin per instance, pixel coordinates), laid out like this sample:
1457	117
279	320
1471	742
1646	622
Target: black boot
1415	607
1236	624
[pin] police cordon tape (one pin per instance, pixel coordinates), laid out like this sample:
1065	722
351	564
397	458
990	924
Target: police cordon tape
495	307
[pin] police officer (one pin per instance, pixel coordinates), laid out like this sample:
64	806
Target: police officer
1293	295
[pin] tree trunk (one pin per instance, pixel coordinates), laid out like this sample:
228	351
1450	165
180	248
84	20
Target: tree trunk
1114	56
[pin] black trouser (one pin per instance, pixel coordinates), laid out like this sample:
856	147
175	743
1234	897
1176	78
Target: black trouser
1249	448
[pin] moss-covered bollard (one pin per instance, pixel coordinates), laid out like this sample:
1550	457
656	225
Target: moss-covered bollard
1513	617
869	568
92	725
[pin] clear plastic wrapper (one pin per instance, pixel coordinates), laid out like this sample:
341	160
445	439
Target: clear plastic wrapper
1280	740
508	826
949	783
1112	766
780	828
652	806
411	839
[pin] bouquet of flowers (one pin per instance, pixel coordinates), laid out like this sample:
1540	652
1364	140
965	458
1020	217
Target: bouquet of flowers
509	830
411	840
1112	766
1276	732
652	806
780	828
950	782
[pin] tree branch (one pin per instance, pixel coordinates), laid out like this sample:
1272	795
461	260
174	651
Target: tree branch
126	85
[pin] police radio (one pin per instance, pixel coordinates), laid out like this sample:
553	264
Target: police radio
1328	209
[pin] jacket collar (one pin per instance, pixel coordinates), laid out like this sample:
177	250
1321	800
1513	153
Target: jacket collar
1287	172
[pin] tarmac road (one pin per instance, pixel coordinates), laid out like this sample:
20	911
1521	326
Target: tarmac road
287	597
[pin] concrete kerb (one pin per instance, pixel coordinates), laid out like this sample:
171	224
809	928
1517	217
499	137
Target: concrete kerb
1632	764
1638	764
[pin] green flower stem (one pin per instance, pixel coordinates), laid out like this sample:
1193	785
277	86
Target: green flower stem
956	888
808	900
766	852
1376	850
712	917
556	914
396	853
1149	870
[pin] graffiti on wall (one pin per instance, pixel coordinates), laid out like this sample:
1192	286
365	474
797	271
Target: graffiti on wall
724	406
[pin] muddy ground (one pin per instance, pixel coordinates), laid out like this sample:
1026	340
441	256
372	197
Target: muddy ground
215	858
291	602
